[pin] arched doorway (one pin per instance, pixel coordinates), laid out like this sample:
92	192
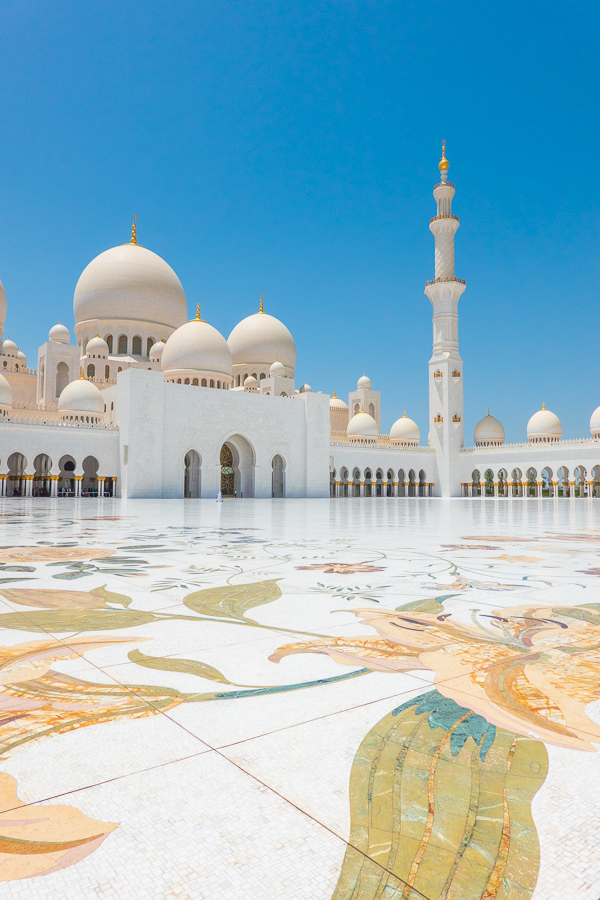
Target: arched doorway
89	482
16	475
66	480
277	476
62	377
227	471
236	463
191	477
41	479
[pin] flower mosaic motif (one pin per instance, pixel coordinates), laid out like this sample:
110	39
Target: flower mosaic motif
334	568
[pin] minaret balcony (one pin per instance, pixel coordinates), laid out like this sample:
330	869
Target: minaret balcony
447	278
444	216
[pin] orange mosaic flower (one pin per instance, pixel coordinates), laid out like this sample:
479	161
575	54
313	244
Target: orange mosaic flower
531	670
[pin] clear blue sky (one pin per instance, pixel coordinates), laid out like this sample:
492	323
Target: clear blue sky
292	147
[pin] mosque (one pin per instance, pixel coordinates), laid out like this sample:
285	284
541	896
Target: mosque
143	403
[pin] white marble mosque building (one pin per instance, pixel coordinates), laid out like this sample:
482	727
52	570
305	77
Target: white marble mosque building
147	404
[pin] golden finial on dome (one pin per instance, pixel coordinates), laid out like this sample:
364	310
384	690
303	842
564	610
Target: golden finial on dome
404	416
198	317
334	397
362	409
261	310
488	410
133	230
82	375
444	165
543	405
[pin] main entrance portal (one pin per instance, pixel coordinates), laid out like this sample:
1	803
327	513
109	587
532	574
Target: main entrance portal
227	475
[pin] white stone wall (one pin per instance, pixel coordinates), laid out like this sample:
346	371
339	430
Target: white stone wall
160	422
57	441
552	456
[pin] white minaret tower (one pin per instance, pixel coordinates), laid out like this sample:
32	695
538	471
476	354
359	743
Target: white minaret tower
446	429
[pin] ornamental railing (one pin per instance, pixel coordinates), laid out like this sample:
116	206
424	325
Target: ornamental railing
59	423
443	216
534	445
446	278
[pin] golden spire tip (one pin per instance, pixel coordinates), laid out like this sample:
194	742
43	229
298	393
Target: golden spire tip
261	310
488	410
335	398
82	375
443	164
404	416
133	230
543	405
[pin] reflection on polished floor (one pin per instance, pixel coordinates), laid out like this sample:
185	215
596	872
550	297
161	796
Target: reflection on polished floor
315	699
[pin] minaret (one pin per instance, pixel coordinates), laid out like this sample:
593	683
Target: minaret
446	429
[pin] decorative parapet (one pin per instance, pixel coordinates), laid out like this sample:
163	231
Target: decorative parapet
443	216
48	408
382	441
567	442
445	278
59	423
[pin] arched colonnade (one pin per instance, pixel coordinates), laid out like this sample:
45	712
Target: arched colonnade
42	479
533	482
370	482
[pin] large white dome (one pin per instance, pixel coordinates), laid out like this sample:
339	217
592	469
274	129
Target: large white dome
544	426
595	422
260	340
81	396
362	425
489	431
6	397
405	431
130	282
197	347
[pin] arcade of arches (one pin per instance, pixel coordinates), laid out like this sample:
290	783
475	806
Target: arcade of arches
72	480
531	483
377	483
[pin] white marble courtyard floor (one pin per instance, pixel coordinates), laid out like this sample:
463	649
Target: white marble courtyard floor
158	743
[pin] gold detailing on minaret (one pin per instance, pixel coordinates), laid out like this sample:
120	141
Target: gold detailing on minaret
444	165
261	310
133	230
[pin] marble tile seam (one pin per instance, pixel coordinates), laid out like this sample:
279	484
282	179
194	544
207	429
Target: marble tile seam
337	712
93	784
414	892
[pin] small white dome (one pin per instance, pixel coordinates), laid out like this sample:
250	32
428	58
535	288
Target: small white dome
197	347
364	383
595	422
489	431
22	358
277	369
362	425
260	339
305	389
5	393
156	351
405	431
60	333
250	382
335	404
97	347
130	282
544	426
9	348
81	396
